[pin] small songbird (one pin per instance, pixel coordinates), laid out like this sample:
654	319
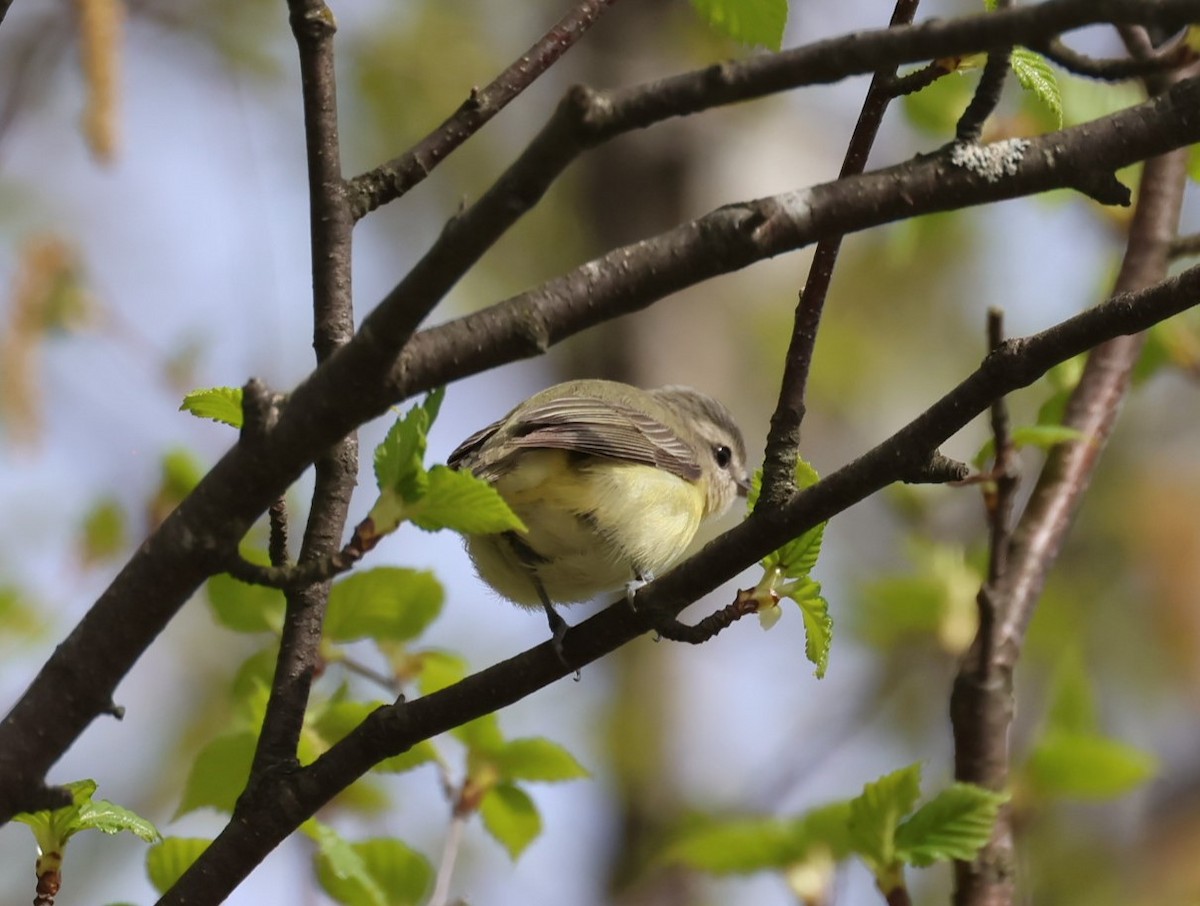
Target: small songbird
611	481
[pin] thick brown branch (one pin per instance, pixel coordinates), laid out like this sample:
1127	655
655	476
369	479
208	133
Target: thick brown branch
982	704
298	661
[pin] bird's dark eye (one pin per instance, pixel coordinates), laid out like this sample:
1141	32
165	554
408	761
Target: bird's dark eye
723	456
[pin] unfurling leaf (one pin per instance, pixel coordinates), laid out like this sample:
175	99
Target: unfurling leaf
511	817
221	404
954	824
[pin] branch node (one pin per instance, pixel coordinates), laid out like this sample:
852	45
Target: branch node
670	627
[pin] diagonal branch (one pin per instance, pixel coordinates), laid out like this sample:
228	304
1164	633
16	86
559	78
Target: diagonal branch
393	179
783	441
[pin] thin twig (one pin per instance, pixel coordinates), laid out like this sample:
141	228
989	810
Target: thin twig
783	441
1185	246
1117	70
987	92
393	179
450	850
299	660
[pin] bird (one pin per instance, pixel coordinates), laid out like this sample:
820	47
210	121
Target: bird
611	482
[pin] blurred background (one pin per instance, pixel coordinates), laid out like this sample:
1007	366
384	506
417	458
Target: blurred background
154	240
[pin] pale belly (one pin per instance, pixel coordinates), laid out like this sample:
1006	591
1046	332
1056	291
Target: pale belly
592	530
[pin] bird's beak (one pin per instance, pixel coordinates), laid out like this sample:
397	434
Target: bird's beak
743	486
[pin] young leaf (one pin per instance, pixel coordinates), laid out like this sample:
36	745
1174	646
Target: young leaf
1085	766
755	22
53	828
795	559
166	863
340	870
739	846
384	603
744	845
439	669
954	824
243	607
1072	705
399	459
1037	77
462	502
537	760
104	530
221	404
377	872
219	773
105	816
818	625
877	812
511	817
481	735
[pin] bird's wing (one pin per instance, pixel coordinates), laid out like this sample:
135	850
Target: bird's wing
472	444
603	428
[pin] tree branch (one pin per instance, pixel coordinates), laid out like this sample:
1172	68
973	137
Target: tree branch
982	703
393	179
285	800
783	441
298	660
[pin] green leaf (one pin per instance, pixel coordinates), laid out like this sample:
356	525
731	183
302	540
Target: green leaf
754	22
796	559
1037	77
1193	163
400	458
1042	436
818	625
104	530
877	812
341	870
739	846
243	607
481	735
221	404
462	502
105	816
1086	766
440	669
745	845
954	824
376	872
935	109
53	828
1072	705
511	817
539	760
383	603
166	863
219	773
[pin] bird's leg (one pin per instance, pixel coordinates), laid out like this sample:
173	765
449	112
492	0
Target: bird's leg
639	580
529	558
